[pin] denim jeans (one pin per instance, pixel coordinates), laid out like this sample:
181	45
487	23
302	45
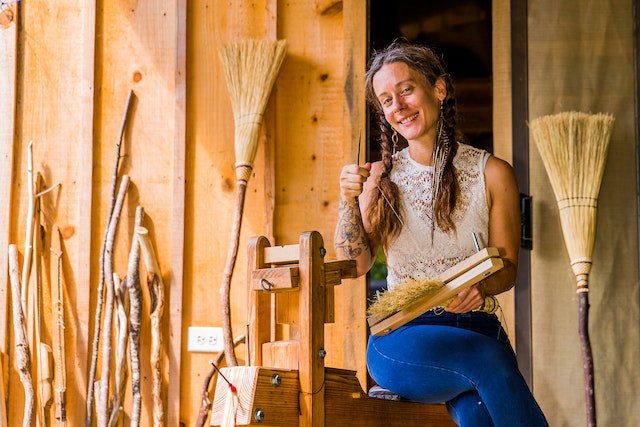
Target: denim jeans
465	360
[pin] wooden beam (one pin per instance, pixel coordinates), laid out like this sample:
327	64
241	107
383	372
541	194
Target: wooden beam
178	209
82	261
8	63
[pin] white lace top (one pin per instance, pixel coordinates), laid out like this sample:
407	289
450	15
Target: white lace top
412	255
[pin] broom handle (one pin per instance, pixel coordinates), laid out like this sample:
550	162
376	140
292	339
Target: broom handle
229	351
587	358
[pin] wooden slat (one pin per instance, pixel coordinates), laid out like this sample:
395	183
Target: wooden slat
346	340
288	254
259	304
281	354
335	271
461	282
177	249
275	279
81	260
8	61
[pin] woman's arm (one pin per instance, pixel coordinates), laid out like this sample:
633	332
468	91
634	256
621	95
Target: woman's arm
503	199
351	236
504	233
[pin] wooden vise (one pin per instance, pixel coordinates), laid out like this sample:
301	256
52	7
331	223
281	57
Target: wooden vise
286	382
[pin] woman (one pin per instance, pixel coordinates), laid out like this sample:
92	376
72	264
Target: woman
421	204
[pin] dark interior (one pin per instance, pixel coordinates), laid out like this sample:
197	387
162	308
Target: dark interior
459	31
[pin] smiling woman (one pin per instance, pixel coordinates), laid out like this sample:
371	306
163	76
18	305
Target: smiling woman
421	205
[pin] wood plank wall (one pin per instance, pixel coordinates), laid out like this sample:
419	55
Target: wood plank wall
76	62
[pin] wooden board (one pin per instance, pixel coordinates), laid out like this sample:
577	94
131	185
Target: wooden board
467	279
210	178
8	62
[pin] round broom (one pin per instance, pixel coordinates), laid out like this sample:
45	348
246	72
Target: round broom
574	147
250	69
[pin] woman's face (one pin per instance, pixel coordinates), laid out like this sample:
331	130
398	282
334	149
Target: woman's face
410	104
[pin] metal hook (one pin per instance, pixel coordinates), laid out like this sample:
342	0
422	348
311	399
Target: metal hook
265	284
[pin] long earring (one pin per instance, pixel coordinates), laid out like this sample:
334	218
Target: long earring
440	157
394	140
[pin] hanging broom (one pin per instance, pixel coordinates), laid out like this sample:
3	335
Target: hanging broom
250	68
574	147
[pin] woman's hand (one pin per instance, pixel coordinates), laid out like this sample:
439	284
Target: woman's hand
352	179
467	300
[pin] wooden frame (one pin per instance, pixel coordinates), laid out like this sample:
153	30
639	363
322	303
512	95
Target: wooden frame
288	383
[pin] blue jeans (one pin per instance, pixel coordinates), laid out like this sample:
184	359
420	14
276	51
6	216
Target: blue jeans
465	360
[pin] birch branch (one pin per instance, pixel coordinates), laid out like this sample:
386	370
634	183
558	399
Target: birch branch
135	305
23	358
101	406
156	291
100	297
122	328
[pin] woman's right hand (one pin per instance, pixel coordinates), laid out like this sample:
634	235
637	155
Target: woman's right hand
352	179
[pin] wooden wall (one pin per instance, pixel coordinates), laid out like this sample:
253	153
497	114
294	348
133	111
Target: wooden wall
75	63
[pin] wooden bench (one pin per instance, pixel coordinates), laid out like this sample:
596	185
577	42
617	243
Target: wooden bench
286	382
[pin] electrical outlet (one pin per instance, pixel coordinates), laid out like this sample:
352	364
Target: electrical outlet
204	339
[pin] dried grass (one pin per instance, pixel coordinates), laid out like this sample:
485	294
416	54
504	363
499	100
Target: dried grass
403	295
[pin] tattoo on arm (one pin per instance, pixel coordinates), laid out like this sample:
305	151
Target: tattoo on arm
350	237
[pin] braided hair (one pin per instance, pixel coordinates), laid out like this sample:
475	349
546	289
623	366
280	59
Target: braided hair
385	226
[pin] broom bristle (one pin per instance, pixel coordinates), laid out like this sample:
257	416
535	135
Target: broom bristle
574	147
402	296
250	68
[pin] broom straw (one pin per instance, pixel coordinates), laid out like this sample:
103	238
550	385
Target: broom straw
250	69
574	147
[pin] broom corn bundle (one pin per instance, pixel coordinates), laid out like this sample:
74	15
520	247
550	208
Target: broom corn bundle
574	147
250	68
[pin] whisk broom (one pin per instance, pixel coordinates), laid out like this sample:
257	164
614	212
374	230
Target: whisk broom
250	69
573	147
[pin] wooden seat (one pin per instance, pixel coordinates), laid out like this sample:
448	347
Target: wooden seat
286	382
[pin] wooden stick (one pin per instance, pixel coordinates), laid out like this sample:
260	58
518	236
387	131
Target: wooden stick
23	357
122	328
101	406
205	404
100	297
42	349
225	287
156	291
28	238
57	296
135	309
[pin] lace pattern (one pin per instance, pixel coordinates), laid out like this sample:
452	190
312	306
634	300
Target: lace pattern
412	255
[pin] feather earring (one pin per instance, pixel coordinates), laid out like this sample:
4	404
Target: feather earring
394	141
440	157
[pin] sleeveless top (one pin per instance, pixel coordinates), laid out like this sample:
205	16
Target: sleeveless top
412	255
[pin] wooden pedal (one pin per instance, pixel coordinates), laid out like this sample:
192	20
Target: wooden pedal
457	278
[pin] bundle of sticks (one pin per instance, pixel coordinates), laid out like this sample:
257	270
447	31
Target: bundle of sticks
39	311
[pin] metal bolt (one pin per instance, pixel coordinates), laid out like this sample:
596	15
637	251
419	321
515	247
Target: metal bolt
322	353
258	415
323	251
276	380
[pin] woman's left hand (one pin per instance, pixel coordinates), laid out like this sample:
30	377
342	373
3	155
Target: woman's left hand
467	300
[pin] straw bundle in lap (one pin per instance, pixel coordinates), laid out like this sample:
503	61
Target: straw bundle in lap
250	68
574	147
